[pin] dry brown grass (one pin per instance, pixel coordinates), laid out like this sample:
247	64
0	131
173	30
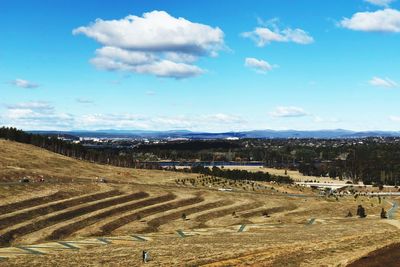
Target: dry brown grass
293	245
19	160
283	239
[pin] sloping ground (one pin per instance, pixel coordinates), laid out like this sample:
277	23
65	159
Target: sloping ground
24	215
32	202
18	160
267	211
291	245
387	256
148	202
113	225
224	211
111	198
68	229
156	222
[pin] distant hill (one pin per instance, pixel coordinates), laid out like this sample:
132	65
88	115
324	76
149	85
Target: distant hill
339	133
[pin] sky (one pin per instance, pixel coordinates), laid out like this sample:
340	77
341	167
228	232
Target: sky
200	65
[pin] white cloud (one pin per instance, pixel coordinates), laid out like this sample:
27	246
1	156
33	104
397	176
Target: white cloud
41	115
384	3
271	33
394	118
116	121
33	105
287	112
124	56
24	83
133	121
223	118
383	82
386	20
36	115
166	68
155	43
259	65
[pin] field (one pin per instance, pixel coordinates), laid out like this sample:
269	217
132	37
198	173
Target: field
295	175
73	219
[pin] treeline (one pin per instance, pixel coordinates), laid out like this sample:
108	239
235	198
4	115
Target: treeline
371	160
204	150
240	174
113	157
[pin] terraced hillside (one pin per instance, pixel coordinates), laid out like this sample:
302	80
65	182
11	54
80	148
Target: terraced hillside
71	218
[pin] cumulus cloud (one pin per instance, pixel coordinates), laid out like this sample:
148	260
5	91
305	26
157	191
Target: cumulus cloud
383	3
287	112
24	83
386	20
156	44
383	82
271	33
259	65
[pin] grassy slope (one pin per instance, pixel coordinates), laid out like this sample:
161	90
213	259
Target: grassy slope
17	160
328	242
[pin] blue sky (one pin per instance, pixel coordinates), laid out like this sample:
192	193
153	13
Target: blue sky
200	65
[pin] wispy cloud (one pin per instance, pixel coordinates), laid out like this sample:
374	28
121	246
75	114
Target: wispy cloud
211	122
288	111
24	83
269	32
33	105
382	82
36	115
383	3
42	115
261	66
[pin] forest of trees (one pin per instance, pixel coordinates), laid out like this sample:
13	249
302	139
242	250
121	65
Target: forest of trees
371	160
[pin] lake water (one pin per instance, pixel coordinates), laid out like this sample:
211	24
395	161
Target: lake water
209	163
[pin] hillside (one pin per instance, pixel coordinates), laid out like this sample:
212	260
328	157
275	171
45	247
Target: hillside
18	160
71	218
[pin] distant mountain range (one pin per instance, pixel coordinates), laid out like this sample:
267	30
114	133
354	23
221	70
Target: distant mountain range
339	133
